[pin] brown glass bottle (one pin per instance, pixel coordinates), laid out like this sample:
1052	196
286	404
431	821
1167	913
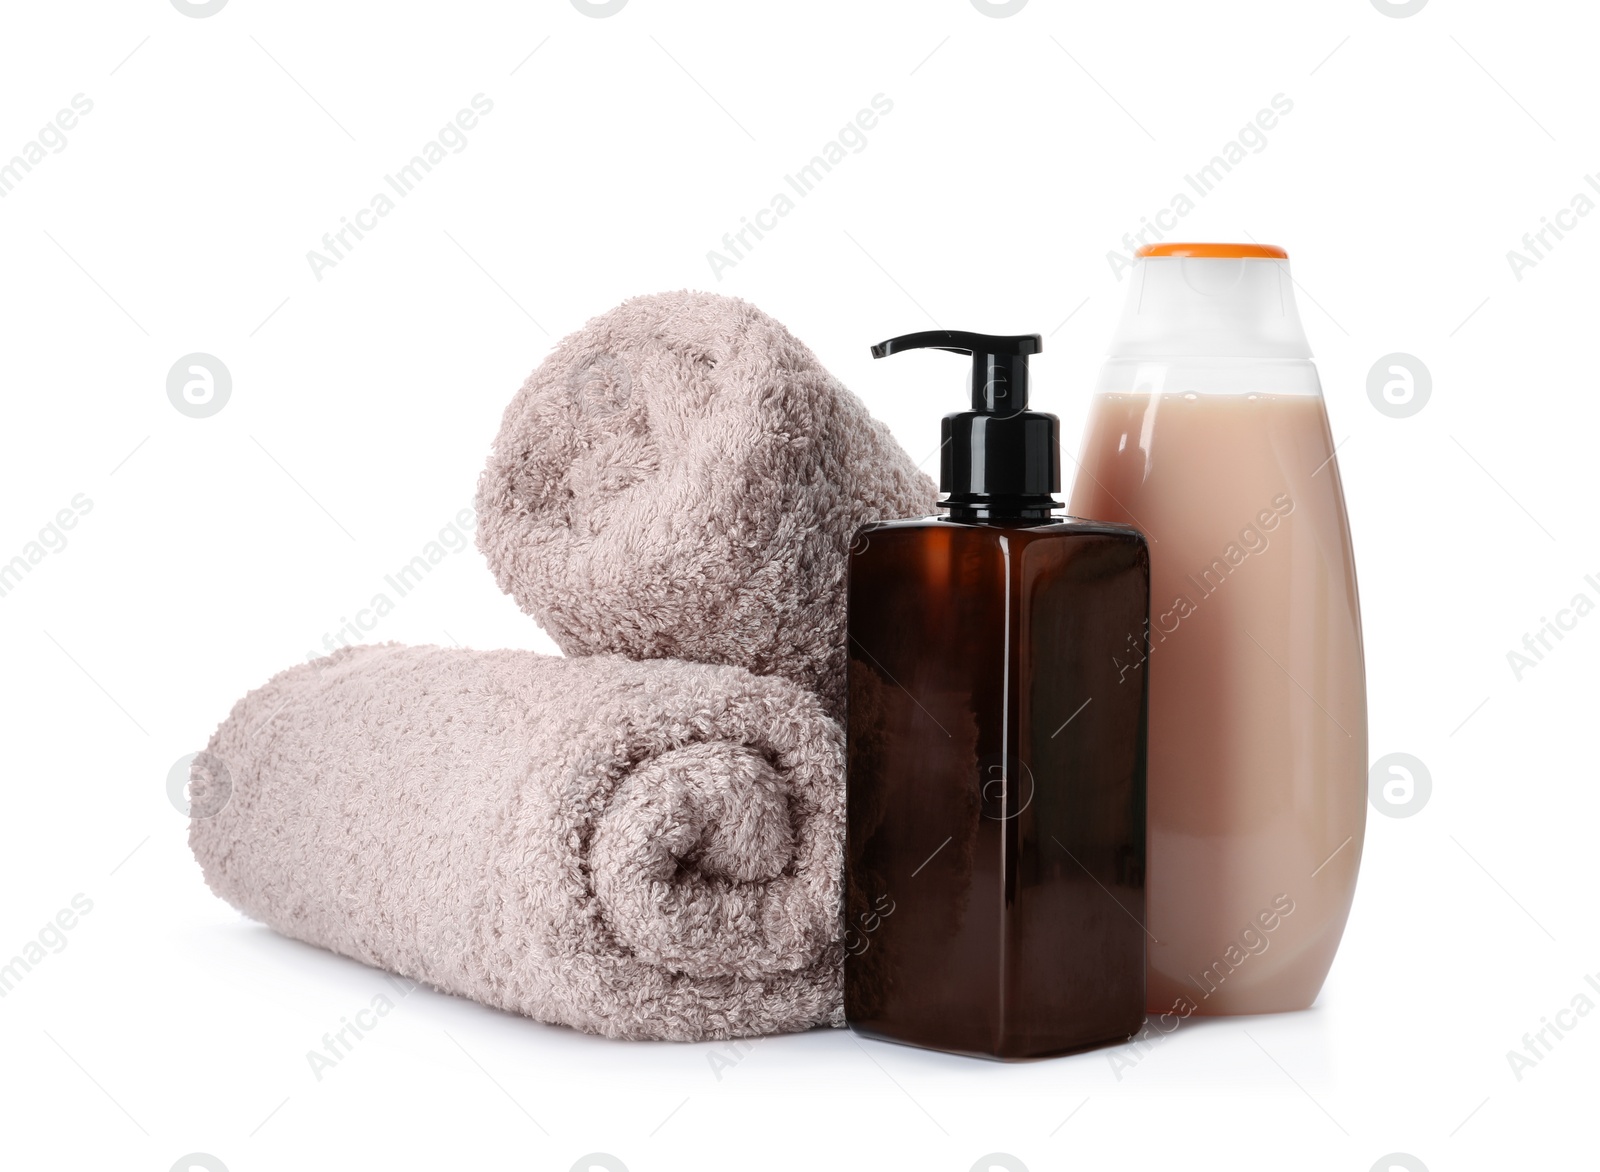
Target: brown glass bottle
996	801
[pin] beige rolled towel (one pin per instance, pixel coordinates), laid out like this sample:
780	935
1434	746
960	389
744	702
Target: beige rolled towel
682	478
641	850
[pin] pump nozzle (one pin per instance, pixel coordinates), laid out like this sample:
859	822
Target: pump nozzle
998	459
999	362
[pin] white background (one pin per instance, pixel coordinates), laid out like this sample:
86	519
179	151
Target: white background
177	219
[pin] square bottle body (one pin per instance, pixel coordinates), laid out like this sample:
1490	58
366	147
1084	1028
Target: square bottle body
996	795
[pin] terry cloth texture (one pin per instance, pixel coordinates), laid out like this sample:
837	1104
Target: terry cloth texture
641	850
681	478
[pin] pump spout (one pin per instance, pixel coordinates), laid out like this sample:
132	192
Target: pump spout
999	362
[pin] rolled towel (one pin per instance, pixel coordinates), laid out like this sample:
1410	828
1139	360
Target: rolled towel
681	477
641	850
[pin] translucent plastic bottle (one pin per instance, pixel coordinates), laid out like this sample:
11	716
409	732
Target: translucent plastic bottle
1208	432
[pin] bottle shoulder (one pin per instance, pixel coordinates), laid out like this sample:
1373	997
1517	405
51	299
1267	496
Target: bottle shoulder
1055	526
1085	527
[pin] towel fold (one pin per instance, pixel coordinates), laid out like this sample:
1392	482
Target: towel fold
641	850
681	477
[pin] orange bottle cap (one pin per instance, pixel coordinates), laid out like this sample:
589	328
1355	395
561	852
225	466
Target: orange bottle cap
1215	251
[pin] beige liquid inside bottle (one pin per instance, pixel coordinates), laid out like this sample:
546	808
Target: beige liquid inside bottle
1209	433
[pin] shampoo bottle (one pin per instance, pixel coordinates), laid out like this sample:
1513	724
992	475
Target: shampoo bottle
1208	431
995	858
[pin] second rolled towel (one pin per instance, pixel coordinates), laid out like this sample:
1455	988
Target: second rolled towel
683	478
642	850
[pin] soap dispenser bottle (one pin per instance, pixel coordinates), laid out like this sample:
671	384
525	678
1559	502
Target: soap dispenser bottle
996	767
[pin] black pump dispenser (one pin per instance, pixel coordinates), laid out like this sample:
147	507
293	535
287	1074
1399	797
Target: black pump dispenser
998	460
1002	614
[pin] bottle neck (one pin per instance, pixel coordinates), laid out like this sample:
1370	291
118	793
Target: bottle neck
999	508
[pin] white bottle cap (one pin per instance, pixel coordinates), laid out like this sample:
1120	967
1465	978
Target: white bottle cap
1210	301
1213	319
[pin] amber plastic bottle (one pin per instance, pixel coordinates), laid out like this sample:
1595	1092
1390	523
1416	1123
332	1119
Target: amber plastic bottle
996	847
